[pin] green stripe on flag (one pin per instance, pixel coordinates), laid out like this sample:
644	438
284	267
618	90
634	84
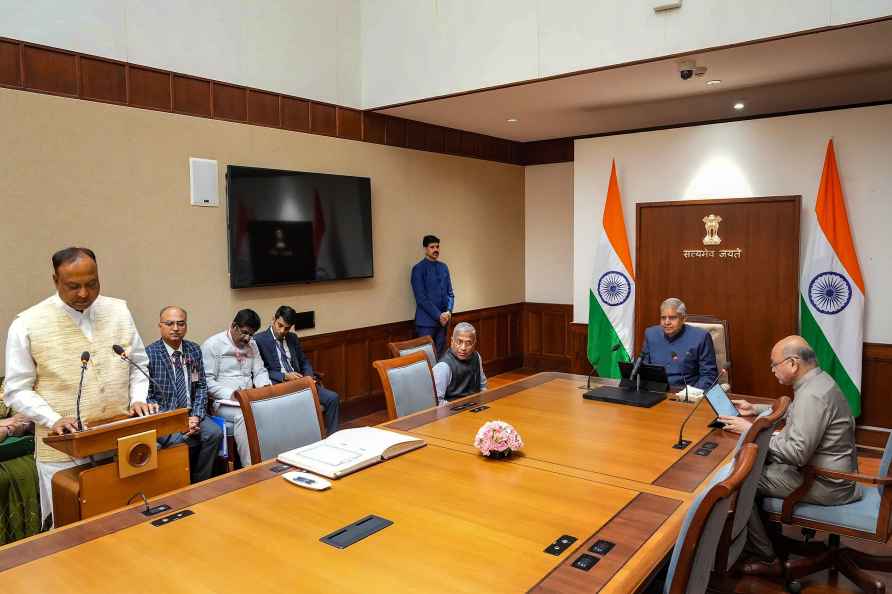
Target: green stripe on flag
827	358
601	339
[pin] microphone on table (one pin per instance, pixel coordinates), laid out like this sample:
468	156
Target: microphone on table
588	383
119	350
85	358
636	367
683	443
683	376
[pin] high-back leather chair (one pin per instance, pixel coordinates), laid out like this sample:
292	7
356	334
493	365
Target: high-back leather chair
406	347
408	384
734	533
720	333
281	417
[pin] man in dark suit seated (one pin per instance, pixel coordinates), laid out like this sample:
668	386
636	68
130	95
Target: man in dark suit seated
687	352
285	360
176	367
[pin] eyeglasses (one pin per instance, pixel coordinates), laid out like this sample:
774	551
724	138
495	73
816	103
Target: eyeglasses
177	323
245	333
782	361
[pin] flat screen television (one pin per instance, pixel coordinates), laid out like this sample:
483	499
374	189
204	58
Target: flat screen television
297	227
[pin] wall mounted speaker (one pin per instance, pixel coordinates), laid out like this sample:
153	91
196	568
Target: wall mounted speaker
203	186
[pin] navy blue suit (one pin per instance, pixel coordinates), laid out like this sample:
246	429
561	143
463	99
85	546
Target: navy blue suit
269	352
203	445
694	355
432	288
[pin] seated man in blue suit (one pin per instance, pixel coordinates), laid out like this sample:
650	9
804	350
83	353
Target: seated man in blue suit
687	352
176	367
285	360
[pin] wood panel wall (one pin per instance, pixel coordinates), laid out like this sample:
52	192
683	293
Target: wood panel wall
42	69
757	293
542	319
346	357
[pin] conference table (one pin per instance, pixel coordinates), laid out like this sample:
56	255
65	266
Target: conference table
589	471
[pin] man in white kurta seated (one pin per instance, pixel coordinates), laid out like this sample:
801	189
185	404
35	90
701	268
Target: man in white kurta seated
232	362
43	362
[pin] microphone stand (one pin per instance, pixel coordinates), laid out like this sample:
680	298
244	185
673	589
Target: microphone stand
124	357
683	443
80	387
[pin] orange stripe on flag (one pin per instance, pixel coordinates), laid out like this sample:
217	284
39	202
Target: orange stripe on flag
615	224
831	210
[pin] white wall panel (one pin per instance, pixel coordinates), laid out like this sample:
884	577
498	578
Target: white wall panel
767	157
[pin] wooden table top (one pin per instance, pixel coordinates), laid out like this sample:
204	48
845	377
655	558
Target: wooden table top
560	427
462	522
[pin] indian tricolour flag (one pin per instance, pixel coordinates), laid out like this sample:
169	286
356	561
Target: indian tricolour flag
611	300
832	289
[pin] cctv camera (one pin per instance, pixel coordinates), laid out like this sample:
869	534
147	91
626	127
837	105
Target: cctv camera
686	69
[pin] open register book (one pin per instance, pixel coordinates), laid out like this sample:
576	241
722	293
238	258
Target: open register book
349	450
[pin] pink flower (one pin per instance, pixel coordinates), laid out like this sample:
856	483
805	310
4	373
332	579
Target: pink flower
497	436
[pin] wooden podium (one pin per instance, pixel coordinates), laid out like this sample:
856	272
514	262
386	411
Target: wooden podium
137	466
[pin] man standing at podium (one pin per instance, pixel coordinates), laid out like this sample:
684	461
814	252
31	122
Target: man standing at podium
44	359
687	352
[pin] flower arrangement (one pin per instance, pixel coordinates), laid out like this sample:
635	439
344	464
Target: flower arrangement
497	439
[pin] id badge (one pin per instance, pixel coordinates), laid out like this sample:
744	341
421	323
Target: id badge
194	376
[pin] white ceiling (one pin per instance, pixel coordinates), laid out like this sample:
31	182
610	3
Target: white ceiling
839	67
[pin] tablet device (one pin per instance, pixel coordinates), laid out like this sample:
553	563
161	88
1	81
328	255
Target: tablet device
720	402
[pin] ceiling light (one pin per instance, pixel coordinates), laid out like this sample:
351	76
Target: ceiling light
714	81
739	105
511	120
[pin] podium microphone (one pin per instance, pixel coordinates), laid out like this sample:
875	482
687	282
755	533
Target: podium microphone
588	383
119	350
85	358
683	443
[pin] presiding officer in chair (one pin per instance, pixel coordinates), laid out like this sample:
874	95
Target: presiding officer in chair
285	360
685	351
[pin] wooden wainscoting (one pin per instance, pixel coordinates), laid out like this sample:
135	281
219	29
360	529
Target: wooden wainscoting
539	337
546	336
876	407
346	357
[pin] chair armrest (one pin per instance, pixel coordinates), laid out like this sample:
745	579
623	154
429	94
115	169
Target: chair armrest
809	473
854	476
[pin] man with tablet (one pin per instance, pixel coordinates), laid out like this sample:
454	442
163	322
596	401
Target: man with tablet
819	431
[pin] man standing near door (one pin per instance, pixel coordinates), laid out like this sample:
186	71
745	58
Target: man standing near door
434	298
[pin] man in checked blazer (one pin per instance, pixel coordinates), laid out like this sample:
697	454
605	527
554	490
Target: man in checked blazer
284	360
176	367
